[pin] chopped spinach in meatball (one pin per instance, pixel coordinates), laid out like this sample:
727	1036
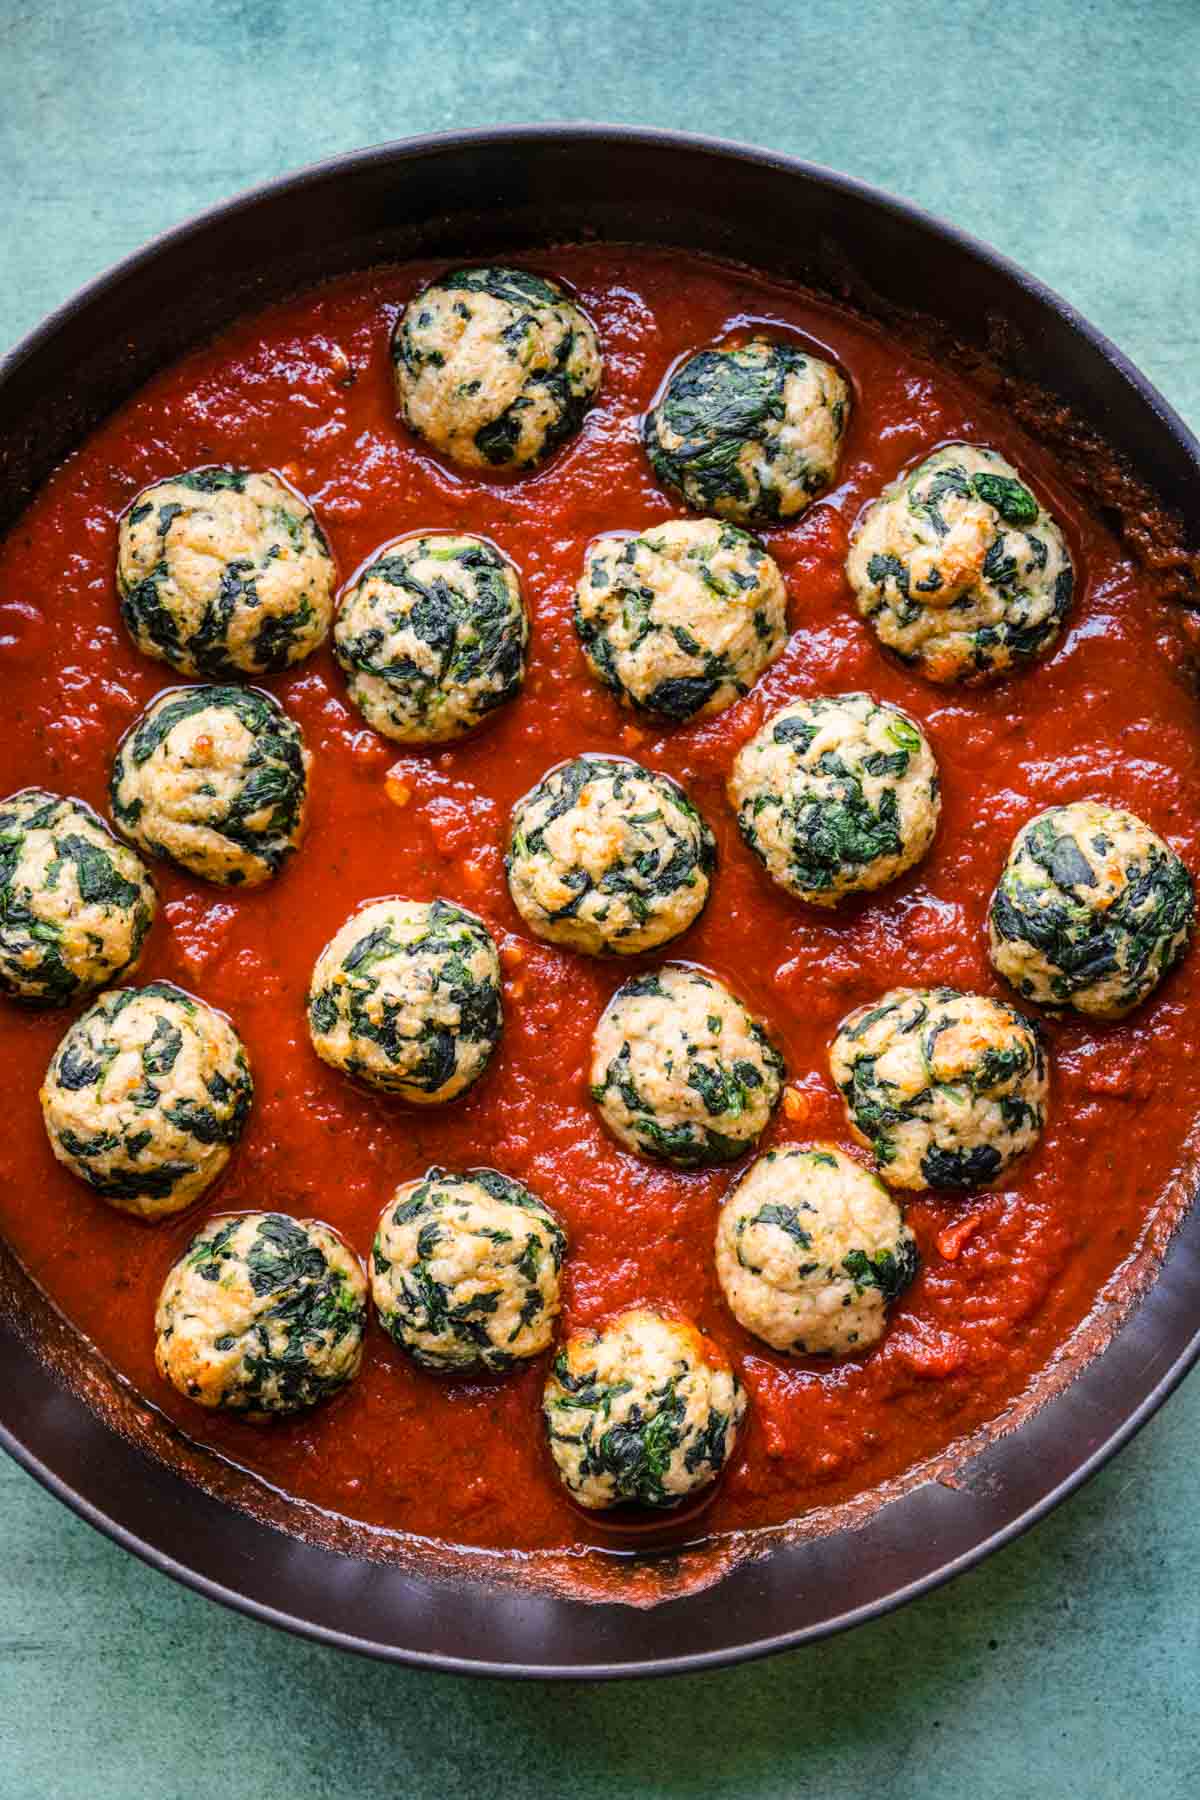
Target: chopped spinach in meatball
262	1314
146	1096
644	1411
216	778
1092	910
406	997
608	858
681	1071
959	569
680	620
947	1089
494	367
836	796
224	572
752	433
810	1250
432	637
75	904
465	1270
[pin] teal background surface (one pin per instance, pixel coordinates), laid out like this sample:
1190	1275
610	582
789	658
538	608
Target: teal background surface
1066	133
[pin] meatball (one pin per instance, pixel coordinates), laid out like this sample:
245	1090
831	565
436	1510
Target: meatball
216	778
1092	910
224	572
645	1410
752	433
810	1250
836	796
608	858
680	620
959	570
406	997
681	1071
75	904
432	637
947	1089
494	367
146	1096
262	1314
465	1270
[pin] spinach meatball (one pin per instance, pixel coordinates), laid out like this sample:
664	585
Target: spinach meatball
1092	910
810	1250
432	637
494	367
752	434
224	572
682	1071
608	858
216	778
262	1314
75	904
406	997
146	1096
959	570
947	1089
465	1270
836	796
644	1411
681	619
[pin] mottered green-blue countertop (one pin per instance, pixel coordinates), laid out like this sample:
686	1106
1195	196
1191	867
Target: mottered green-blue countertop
1065	132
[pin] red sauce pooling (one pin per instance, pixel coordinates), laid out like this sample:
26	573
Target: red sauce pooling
305	388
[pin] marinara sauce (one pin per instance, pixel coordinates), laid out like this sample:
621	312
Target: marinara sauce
305	388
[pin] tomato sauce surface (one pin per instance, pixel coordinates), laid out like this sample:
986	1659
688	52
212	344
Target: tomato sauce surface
305	388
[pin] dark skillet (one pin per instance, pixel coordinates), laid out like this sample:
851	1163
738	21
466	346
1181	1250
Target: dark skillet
500	191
